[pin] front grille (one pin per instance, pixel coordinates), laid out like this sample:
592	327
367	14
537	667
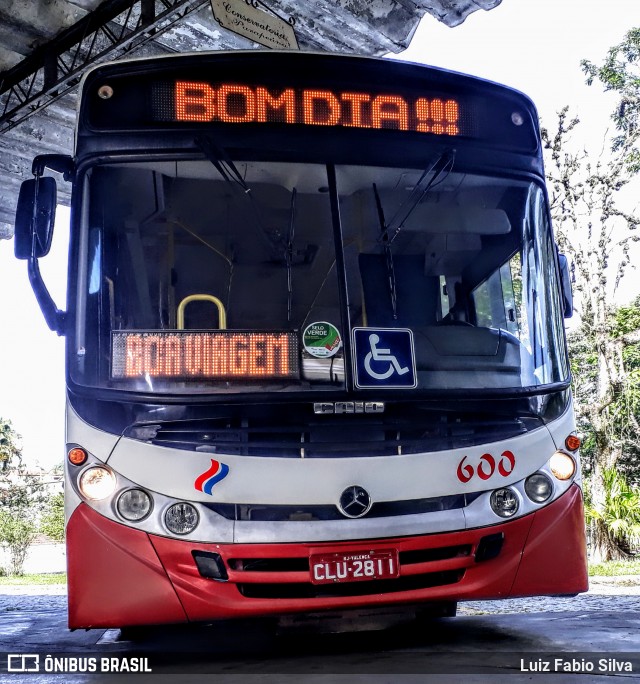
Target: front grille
438	554
269	564
414	561
285	571
296	513
310	591
301	564
295	432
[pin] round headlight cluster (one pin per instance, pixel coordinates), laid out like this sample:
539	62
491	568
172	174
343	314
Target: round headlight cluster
504	502
562	466
97	483
181	518
134	505
538	487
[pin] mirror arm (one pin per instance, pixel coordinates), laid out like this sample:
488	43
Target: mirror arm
61	163
53	316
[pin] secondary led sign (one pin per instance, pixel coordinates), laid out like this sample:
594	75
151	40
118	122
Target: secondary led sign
199	355
196	101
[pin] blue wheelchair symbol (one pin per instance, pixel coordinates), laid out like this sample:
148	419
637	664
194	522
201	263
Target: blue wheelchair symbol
384	357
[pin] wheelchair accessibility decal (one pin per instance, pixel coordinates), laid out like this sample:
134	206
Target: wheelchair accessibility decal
384	357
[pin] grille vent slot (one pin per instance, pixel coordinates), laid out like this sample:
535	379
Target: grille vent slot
295	432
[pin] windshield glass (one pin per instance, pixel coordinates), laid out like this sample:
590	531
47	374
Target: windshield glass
463	262
219	276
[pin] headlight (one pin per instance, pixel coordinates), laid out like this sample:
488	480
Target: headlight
562	465
134	504
97	483
181	518
538	487
504	502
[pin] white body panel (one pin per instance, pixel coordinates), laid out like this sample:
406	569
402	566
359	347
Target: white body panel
315	481
170	476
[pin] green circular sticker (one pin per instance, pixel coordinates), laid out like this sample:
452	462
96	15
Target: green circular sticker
321	339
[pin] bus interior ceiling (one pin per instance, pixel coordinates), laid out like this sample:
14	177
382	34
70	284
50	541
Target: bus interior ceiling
178	229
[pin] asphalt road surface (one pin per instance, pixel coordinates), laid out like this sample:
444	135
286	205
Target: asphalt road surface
592	638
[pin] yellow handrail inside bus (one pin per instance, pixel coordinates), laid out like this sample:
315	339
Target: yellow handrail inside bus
222	314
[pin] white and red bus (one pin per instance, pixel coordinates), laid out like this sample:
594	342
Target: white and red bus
315	346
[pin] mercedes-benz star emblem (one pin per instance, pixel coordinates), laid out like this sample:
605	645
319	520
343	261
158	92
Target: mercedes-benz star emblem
354	502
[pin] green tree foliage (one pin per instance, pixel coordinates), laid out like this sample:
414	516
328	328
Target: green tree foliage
597	233
620	73
626	324
17	533
20	499
620	515
623	415
607	358
10	452
52	523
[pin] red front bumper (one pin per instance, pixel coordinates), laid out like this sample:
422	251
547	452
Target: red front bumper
120	576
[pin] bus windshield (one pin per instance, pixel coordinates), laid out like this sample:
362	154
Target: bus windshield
224	276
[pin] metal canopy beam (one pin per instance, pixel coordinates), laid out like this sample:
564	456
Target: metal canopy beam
39	92
115	28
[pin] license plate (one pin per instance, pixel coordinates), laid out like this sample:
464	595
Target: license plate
354	566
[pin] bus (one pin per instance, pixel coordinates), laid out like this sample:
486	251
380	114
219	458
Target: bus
315	353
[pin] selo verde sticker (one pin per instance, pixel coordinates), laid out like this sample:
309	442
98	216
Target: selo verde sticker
321	339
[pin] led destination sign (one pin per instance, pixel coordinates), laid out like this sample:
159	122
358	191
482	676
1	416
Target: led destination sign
243	95
234	103
199	355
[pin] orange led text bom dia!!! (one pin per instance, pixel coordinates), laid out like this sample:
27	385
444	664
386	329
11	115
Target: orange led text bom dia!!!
237	103
204	355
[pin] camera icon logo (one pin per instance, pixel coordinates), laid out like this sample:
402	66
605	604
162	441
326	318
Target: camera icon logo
23	662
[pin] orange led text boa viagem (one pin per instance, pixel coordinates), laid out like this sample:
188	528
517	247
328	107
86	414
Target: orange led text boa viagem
205	355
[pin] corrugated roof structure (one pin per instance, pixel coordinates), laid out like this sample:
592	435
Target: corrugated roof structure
46	45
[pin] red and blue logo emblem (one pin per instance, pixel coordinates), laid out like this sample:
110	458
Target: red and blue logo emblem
207	481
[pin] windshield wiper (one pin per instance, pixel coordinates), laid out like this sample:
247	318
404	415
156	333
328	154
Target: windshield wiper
230	173
438	171
223	163
386	246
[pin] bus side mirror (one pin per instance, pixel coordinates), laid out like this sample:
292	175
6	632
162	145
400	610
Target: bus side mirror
565	285
35	217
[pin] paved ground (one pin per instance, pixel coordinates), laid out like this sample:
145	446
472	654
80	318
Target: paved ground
605	593
489	642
